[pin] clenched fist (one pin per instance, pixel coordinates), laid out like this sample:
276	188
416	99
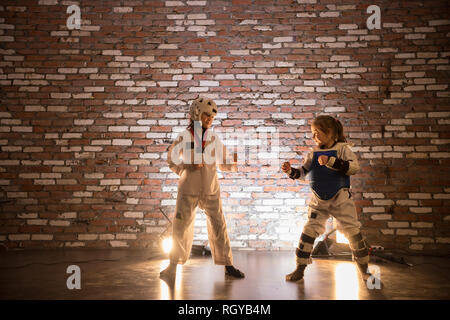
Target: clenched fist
286	166
323	160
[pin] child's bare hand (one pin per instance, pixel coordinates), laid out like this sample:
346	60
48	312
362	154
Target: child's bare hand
286	166
323	160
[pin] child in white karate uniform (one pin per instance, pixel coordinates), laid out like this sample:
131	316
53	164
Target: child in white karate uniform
329	167
194	156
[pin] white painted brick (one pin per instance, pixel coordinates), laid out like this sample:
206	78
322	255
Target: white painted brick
348	38
313	83
82	194
42	237
205	22
133	214
440	155
168	202
419	195
329	14
59	223
107	236
387	50
27	215
368	88
283	39
44	182
441	196
67	215
403	149
381	217
334	109
18	237
326	39
401	68
415	36
381	148
371	155
112	52
373	195
424	29
438	22
88	237
422	224
396	224
122	9
406	202
206	83
296	70
437	87
410	232
422	240
426	148
392	101
108	182
347	26
373	209
305	102
126	236
121	244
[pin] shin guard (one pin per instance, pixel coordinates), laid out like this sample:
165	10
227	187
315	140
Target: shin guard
360	249
303	252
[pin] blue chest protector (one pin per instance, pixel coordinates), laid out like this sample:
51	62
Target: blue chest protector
324	181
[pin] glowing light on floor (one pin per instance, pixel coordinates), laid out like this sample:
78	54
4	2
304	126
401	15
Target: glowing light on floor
340	238
167	244
166	292
346	281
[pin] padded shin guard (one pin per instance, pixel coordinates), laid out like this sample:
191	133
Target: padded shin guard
303	252
359	248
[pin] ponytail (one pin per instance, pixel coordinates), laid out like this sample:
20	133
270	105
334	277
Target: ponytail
339	131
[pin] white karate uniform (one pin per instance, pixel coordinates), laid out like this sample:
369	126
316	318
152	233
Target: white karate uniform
199	188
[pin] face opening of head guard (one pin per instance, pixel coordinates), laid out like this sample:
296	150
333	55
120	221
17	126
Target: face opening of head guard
201	105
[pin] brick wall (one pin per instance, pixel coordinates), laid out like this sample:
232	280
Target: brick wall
87	115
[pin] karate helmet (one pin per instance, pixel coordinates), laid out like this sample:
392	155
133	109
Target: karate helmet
200	105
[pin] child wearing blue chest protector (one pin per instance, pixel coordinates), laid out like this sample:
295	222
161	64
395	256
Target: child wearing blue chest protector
329	167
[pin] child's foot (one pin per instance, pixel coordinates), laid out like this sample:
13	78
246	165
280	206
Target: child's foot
169	273
297	274
233	272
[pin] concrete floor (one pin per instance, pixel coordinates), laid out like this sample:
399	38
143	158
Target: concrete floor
134	274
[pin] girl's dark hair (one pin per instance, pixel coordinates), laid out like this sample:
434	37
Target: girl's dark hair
327	123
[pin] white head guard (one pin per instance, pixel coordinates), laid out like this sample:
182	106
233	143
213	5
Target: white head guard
201	105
